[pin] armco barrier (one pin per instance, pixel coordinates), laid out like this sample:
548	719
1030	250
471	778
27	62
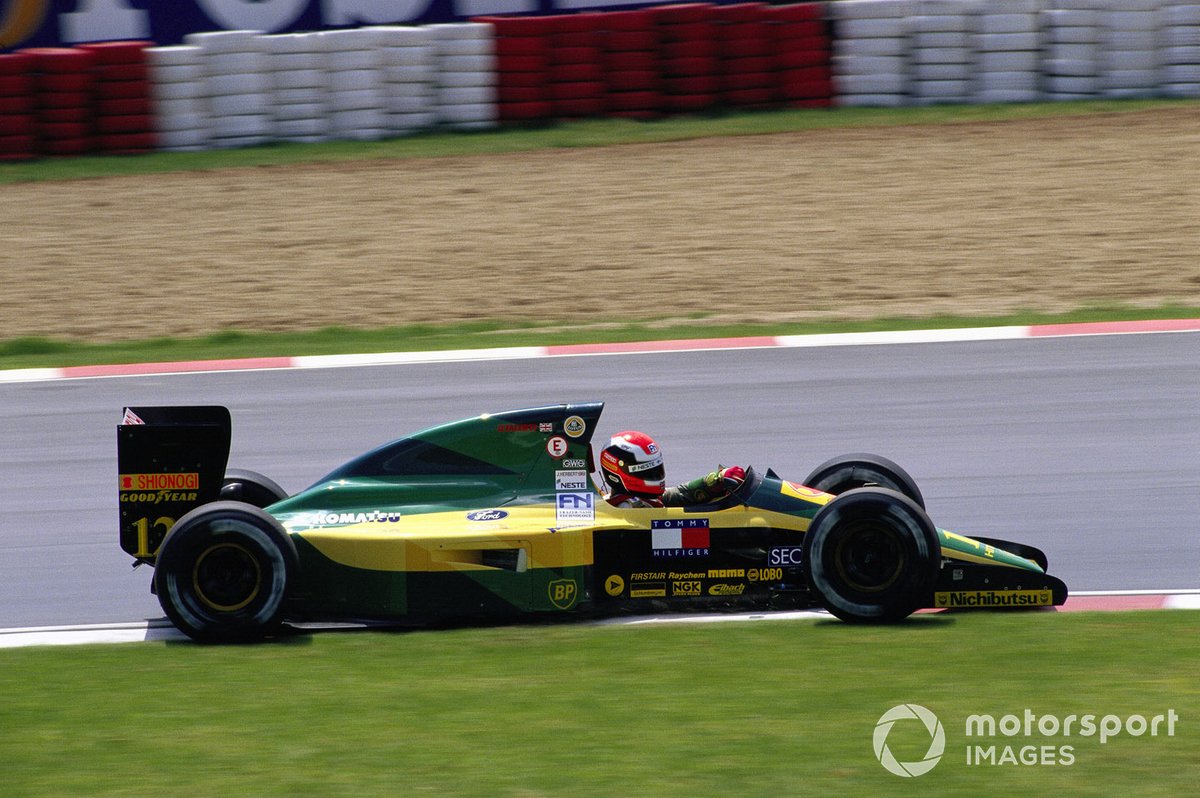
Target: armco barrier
239	88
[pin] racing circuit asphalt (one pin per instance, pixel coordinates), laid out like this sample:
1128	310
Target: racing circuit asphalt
1088	447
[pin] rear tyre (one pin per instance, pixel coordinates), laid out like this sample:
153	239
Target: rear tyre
872	556
224	572
251	487
859	470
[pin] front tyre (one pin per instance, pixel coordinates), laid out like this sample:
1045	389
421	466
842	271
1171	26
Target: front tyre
224	572
872	556
860	470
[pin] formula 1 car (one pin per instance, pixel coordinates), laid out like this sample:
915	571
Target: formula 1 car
499	515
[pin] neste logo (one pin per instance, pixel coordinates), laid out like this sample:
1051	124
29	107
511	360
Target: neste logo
937	740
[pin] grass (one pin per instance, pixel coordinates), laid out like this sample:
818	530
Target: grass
586	133
46	352
780	708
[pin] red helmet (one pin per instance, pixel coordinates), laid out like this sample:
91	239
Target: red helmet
632	463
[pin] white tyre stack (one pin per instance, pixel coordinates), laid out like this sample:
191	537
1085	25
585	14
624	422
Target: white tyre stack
409	79
871	52
357	103
465	56
1129	50
1071	61
182	117
239	91
943	53
300	87
1179	37
1008	48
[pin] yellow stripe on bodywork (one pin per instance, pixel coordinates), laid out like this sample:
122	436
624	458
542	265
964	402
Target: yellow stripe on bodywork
954	547
810	495
448	541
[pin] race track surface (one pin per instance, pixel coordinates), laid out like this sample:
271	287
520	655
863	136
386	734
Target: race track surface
1088	447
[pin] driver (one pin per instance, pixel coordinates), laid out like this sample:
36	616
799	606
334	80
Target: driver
632	467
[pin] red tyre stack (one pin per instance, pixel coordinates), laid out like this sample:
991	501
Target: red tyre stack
631	64
18	121
64	86
124	121
747	49
522	66
577	86
691	67
802	55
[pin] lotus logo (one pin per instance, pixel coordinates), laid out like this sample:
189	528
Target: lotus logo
937	741
574	426
486	515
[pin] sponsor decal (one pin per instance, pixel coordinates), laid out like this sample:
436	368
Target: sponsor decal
575	509
993	598
487	515
798	491
336	519
574	426
689	588
557	446
516	428
574	462
764	574
652	448
684	537
545	426
186	481
648	590
160	497
726	589
646	466
726	573
785	556
129	418
614	585
575	479
648	575
563	593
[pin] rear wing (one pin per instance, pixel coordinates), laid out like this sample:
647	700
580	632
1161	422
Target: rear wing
169	460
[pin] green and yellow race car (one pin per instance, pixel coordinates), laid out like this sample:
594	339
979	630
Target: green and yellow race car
500	515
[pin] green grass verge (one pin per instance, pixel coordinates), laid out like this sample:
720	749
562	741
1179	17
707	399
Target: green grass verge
587	133
45	352
777	708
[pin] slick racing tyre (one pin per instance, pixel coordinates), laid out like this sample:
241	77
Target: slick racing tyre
251	487
224	572
871	556
859	470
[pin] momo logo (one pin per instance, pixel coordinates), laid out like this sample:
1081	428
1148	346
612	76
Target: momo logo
907	712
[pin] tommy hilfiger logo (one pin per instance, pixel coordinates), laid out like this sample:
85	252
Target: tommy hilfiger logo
684	537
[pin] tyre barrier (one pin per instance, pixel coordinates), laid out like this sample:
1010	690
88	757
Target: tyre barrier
18	118
64	83
633	80
241	88
124	113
